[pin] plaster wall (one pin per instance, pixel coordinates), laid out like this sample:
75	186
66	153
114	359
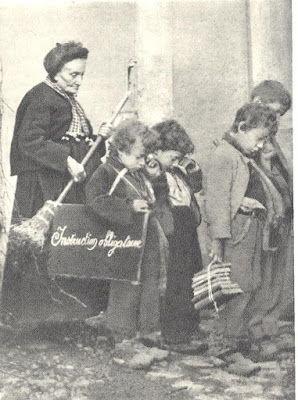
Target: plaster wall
210	67
215	51
214	59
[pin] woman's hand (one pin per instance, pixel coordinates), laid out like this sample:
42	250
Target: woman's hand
216	253
140	206
76	170
106	130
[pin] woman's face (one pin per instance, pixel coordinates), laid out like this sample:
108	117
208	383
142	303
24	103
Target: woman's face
71	75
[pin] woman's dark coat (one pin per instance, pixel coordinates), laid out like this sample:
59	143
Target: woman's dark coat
39	159
38	155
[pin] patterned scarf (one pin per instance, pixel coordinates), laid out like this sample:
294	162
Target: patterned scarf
78	128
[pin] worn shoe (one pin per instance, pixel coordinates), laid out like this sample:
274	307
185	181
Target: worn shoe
243	346
199	335
240	365
153	339
144	359
286	342
264	352
98	320
223	353
243	368
192	348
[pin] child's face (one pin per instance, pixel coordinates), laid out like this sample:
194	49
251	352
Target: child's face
167	158
252	141
135	159
277	108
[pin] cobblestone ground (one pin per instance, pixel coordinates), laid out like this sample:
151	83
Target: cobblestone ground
70	366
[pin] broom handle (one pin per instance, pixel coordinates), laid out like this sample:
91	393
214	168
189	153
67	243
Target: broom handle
94	146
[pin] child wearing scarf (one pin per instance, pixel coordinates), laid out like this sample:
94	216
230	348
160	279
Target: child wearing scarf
277	291
240	203
175	179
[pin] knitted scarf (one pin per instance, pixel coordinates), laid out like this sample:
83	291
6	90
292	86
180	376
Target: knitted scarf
79	128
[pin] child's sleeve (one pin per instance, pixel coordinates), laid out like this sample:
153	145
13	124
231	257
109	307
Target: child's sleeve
218	195
195	178
193	175
115	209
160	187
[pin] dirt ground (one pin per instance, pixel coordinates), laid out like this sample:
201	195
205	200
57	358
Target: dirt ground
75	361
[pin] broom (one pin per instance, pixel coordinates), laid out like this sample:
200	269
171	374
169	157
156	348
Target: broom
33	231
26	240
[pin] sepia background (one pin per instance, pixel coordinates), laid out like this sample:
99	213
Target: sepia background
197	61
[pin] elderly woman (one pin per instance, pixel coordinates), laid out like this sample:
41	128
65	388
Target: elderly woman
51	137
52	134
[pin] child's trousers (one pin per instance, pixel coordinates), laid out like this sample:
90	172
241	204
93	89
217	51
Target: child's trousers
179	317
245	258
131	308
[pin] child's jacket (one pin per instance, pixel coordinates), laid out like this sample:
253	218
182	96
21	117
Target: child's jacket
226	183
130	308
117	208
193	182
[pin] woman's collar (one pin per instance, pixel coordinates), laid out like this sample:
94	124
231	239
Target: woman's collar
57	88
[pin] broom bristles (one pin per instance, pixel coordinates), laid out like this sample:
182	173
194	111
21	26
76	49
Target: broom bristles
35	229
25	245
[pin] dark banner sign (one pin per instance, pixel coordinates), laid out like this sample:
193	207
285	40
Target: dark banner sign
82	244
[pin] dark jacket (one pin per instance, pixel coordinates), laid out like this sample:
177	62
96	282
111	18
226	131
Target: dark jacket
117	208
193	180
130	308
42	118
